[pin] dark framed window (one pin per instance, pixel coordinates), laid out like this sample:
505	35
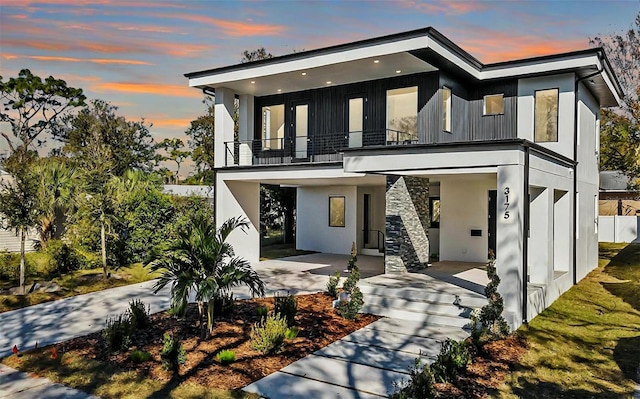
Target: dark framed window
273	126
336	211
493	104
434	210
546	115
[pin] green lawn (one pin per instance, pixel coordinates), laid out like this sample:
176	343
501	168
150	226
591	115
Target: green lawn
587	344
76	283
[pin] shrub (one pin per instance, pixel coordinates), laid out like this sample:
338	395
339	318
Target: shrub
64	258
268	335
332	285
223	305
173	354
493	324
420	384
287	307
139	314
291	333
349	308
226	356
117	333
453	358
10	266
262	312
138	356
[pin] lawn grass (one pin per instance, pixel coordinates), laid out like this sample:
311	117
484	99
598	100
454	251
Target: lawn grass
276	251
77	283
587	343
107	381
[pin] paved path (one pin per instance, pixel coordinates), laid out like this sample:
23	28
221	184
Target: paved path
363	364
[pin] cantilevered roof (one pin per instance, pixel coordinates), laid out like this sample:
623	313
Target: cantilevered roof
421	50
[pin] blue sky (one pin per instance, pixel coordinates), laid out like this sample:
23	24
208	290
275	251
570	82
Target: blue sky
134	53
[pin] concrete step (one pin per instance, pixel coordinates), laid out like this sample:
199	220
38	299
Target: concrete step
364	354
363	378
467	298
282	385
417	329
425	317
417	306
417	346
371	252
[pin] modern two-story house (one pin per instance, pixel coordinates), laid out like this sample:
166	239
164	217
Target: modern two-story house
408	145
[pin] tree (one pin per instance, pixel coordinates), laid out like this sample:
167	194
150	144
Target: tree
201	136
255	55
201	260
97	131
18	201
620	127
173	149
33	107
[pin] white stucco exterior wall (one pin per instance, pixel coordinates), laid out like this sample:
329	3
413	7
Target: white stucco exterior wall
313	231
236	198
464	206
566	106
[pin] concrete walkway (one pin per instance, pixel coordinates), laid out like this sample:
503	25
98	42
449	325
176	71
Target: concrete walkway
363	364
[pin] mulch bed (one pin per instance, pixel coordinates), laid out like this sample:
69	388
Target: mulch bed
487	370
318	322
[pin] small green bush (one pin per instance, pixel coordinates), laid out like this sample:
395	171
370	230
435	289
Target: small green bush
173	354
453	358
268	335
494	326
223	305
421	384
262	312
291	333
287	307
332	285
350	309
139	314
10	266
138	356
64	258
117	333
352	281
226	356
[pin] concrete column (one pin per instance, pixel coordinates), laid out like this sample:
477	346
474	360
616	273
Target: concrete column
510	240
223	124
236	198
246	117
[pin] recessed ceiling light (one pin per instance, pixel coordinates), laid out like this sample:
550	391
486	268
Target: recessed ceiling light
304	74
328	82
398	71
376	61
253	82
279	90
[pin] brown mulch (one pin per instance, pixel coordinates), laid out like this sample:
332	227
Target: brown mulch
318	322
488	369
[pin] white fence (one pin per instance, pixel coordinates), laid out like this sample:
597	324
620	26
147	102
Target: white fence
619	229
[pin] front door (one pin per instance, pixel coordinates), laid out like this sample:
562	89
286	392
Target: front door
493	211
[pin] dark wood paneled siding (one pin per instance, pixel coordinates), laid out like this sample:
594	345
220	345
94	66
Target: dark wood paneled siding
490	127
328	106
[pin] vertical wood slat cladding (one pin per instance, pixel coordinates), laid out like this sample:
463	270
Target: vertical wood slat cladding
328	110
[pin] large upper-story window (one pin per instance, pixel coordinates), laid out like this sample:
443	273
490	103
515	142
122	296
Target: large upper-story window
446	109
273	127
402	115
546	115
355	115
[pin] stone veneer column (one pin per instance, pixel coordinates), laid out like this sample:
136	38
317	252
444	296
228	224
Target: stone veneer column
407	224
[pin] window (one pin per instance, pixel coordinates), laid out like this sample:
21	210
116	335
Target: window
494	104
446	109
336	211
356	121
434	208
402	115
273	126
546	115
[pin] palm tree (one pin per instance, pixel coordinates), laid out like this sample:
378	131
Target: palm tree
55	189
201	260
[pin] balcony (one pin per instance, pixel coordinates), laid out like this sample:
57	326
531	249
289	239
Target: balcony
309	149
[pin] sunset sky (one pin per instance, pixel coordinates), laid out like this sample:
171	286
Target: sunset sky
134	53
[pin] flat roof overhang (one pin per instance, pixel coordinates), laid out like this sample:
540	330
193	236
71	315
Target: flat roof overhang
410	52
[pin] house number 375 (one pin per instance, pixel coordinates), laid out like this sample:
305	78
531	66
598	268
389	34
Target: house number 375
506	202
